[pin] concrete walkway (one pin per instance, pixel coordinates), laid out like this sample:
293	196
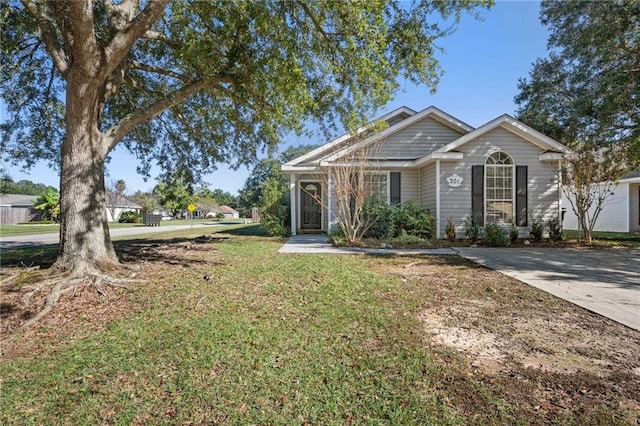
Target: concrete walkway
319	243
606	282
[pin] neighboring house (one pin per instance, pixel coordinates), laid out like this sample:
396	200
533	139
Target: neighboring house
18	208
228	212
503	171
116	205
621	210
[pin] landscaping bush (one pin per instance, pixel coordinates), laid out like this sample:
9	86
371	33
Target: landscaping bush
555	230
274	225
336	236
471	228
383	217
390	221
130	217
405	240
418	220
537	228
513	233
494	235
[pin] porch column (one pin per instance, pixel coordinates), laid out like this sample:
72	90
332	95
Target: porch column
328	190
294	203
437	199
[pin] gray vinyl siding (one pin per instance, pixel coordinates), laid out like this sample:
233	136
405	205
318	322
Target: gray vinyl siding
634	207
409	184
542	189
428	187
417	140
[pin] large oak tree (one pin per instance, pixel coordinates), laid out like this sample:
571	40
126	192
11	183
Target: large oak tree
190	84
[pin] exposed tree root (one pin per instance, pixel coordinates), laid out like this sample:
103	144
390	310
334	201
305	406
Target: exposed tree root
64	284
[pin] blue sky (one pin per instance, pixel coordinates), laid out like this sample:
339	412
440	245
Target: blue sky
482	64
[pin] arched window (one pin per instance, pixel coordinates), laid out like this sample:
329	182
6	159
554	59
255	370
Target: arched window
499	182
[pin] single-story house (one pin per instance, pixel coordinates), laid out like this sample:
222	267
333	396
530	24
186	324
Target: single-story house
501	172
117	204
621	210
228	212
18	208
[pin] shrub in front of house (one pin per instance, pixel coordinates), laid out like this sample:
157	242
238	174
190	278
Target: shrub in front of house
513	233
130	217
471	228
555	230
494	235
419	221
390	221
537	228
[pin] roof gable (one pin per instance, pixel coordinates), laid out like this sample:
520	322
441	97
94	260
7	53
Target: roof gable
339	147
395	116
514	126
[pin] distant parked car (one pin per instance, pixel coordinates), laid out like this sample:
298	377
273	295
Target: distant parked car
167	217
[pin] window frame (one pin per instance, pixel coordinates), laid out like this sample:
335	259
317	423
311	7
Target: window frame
494	166
387	176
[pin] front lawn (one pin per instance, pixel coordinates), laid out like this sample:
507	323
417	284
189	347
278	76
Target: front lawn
226	330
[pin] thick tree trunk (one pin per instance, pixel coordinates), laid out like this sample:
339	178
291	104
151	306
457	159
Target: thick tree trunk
85	243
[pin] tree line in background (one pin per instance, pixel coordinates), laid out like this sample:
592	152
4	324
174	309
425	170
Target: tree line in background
586	95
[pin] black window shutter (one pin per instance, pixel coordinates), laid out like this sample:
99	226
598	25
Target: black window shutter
395	188
477	194
521	195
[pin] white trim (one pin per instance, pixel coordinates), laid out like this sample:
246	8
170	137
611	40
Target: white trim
437	199
286	168
387	174
634	179
513	184
439	156
329	185
375	164
554	156
316	181
294	208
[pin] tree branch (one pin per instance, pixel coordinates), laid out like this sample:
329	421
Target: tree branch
157	70
115	134
51	42
124	39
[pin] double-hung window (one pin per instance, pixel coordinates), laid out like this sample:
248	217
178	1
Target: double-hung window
377	185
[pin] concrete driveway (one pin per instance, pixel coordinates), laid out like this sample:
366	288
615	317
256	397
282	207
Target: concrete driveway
606	282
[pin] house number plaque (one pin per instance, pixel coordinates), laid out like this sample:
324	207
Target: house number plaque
454	180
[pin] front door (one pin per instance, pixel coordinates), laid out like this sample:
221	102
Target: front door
310	209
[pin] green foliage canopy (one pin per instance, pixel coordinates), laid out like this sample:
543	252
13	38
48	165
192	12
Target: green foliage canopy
586	94
213	81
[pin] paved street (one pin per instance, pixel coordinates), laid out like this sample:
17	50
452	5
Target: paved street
53	238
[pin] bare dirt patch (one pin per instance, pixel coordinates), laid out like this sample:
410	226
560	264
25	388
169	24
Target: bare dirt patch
554	360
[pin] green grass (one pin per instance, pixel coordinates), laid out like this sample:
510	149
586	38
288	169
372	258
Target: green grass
610	238
274	339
